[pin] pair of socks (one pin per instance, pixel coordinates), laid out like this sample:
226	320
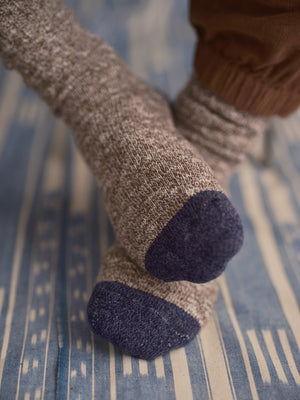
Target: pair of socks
176	229
139	313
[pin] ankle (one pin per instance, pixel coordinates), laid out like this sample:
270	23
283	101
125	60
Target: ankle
221	133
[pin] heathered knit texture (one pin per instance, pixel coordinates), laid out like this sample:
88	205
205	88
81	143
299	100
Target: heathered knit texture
142	315
221	133
124	130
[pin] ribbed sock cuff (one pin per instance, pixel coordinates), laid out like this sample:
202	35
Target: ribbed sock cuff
241	88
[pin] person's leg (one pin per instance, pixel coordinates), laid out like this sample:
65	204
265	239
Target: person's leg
167	209
247	53
221	133
247	68
142	315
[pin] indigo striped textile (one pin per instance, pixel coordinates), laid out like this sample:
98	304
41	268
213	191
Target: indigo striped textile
54	232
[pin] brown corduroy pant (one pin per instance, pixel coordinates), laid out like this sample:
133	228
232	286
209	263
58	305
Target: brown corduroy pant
248	52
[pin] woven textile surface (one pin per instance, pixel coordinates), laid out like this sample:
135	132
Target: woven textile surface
54	232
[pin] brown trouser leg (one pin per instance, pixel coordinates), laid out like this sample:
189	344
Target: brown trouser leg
248	52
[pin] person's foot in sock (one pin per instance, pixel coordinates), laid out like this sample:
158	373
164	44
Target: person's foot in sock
142	315
172	313
168	211
221	133
123	292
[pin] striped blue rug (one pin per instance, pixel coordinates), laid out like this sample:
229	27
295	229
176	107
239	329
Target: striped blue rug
55	231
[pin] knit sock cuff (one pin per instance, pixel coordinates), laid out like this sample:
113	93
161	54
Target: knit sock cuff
241	88
221	133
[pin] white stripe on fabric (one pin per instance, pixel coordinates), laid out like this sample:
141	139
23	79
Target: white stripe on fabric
37	394
159	367
224	354
234	321
73	373
127	366
43	335
217	373
181	375
33	339
260	358
79	344
112	369
143	367
93	366
32	315
269	250
289	355
274	355
27	396
83	368
35	364
25	366
204	367
2	294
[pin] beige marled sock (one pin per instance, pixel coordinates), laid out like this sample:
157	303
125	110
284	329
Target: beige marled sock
167	209
221	133
143	315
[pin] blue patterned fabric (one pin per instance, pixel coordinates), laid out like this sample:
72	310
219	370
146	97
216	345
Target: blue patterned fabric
54	232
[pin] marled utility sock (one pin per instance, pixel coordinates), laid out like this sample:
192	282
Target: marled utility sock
221	133
142	315
167	209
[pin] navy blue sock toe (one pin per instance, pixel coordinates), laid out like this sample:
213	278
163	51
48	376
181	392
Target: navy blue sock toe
198	241
137	322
